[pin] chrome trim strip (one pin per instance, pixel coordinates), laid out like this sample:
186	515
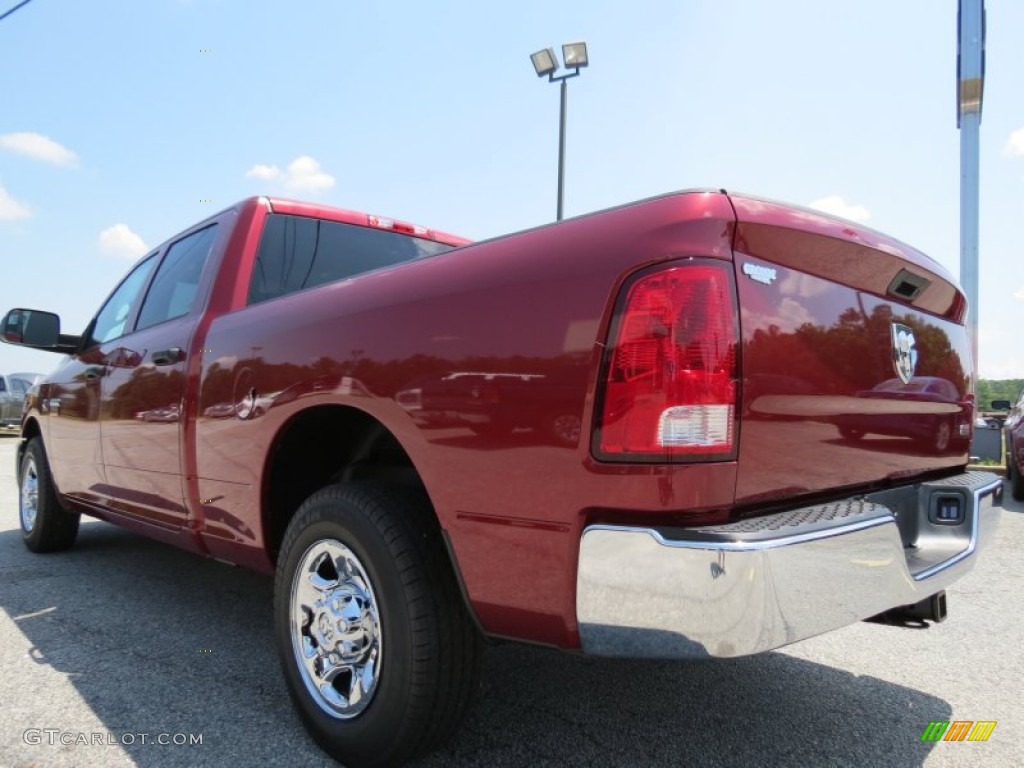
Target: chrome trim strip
746	546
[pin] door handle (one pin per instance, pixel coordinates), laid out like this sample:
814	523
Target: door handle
168	356
94	372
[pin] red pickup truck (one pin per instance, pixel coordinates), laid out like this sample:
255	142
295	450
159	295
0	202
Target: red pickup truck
640	432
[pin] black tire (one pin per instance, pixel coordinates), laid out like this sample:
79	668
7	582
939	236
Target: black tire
46	526
411	619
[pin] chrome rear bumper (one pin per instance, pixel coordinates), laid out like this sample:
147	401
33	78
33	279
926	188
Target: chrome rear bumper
765	582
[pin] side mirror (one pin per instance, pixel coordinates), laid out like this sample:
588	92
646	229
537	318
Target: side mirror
31	328
1000	405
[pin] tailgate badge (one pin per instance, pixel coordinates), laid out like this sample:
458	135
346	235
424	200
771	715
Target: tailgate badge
759	274
904	351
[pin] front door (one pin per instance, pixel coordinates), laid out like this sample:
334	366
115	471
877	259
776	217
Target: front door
71	398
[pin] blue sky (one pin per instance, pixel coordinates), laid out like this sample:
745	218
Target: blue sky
119	119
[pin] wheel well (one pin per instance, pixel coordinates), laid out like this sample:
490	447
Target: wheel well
324	445
31	429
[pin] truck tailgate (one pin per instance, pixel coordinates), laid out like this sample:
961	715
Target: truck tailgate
855	360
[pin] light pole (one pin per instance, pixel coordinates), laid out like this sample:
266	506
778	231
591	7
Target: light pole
546	63
970	64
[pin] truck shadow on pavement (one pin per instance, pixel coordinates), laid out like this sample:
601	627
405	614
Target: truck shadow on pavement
157	641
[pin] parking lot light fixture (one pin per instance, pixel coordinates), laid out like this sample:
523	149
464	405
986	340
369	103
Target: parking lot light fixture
546	63
575	55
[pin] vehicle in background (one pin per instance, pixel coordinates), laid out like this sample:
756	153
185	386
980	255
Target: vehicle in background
13	388
997	413
928	409
1013	430
495	404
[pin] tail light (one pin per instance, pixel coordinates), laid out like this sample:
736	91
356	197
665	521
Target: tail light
966	418
670	372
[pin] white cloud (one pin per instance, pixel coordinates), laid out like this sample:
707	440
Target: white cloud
11	209
791	315
1004	369
837	206
39	147
119	240
803	285
1015	144
303	174
226	361
265	172
1019	294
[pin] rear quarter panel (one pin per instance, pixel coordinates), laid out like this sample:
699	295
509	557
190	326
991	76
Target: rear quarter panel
531	307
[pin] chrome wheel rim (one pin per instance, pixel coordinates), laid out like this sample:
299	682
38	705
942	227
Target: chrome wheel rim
567	428
335	629
29	501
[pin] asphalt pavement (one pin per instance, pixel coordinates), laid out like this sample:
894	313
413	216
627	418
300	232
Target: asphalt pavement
127	652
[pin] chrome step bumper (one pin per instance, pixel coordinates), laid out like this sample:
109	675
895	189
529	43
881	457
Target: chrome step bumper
761	583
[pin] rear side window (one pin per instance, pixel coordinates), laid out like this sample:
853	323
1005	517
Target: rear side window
177	279
298	252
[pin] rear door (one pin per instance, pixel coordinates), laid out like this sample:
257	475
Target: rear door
855	360
143	392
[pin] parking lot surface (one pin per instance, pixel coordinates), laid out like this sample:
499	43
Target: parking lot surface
123	643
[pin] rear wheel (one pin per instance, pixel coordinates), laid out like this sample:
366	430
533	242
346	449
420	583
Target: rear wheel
378	650
46	526
565	428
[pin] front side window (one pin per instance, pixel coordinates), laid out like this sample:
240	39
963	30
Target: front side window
298	252
110	321
174	288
